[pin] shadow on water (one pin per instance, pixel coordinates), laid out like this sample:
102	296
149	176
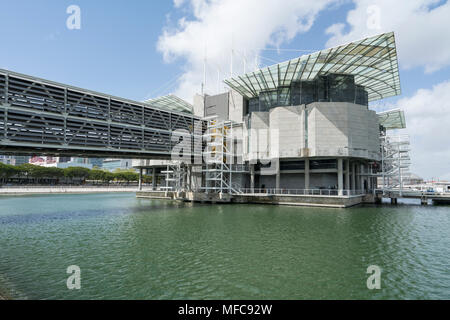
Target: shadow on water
33	214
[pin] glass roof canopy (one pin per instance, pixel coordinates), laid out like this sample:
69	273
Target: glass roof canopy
392	119
172	103
372	61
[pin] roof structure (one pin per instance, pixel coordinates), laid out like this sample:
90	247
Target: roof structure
372	61
392	119
172	103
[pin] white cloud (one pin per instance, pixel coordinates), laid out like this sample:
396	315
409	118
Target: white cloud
421	28
178	3
428	122
219	26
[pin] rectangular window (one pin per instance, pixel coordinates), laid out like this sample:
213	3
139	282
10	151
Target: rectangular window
323	164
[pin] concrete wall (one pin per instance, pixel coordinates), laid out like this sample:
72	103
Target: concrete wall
217	105
259	136
287	131
297	180
335	129
236	107
322	180
199	105
294	200
342	129
292	180
267	181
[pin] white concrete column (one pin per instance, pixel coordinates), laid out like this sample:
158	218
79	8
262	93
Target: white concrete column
278	175
362	176
353	176
252	178
347	174
189	177
340	176
154	179
140	179
306	173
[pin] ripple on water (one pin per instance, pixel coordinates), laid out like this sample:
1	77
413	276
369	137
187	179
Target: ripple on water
129	248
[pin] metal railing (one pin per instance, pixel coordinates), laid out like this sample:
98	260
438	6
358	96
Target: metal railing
302	192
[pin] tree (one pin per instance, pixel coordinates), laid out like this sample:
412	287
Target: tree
97	175
126	175
7	171
77	173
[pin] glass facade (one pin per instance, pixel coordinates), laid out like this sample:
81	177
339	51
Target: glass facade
371	61
329	88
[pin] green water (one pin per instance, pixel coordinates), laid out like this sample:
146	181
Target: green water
148	249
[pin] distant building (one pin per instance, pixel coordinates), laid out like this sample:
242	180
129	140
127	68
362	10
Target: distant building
56	162
38	161
414	179
7	160
64	165
113	164
96	162
79	160
19	160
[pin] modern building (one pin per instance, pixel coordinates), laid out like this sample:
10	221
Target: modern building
304	124
7	160
60	162
21	160
113	164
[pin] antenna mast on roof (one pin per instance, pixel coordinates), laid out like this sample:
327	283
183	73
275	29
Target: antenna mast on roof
245	61
204	73
232	53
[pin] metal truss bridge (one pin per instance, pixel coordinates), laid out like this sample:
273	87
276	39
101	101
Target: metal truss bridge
43	117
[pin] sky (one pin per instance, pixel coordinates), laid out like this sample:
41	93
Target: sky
144	49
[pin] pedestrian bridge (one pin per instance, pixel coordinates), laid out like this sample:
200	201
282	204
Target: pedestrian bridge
38	116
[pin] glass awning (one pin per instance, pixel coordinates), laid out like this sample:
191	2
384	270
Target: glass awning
372	61
172	103
392	119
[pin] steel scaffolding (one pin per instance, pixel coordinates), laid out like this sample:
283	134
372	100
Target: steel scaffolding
220	156
395	161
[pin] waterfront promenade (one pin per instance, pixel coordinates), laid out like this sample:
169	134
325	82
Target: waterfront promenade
17	190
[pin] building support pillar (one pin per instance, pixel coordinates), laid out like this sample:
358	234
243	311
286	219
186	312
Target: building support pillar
140	179
252	178
154	179
362	177
278	175
340	176
306	174
347	174
189	177
353	176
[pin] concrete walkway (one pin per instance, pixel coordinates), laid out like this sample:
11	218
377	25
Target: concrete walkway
63	189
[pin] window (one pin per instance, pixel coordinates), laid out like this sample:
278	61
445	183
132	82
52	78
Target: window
328	88
292	165
323	164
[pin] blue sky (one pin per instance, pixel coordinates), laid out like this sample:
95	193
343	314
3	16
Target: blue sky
116	52
142	49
